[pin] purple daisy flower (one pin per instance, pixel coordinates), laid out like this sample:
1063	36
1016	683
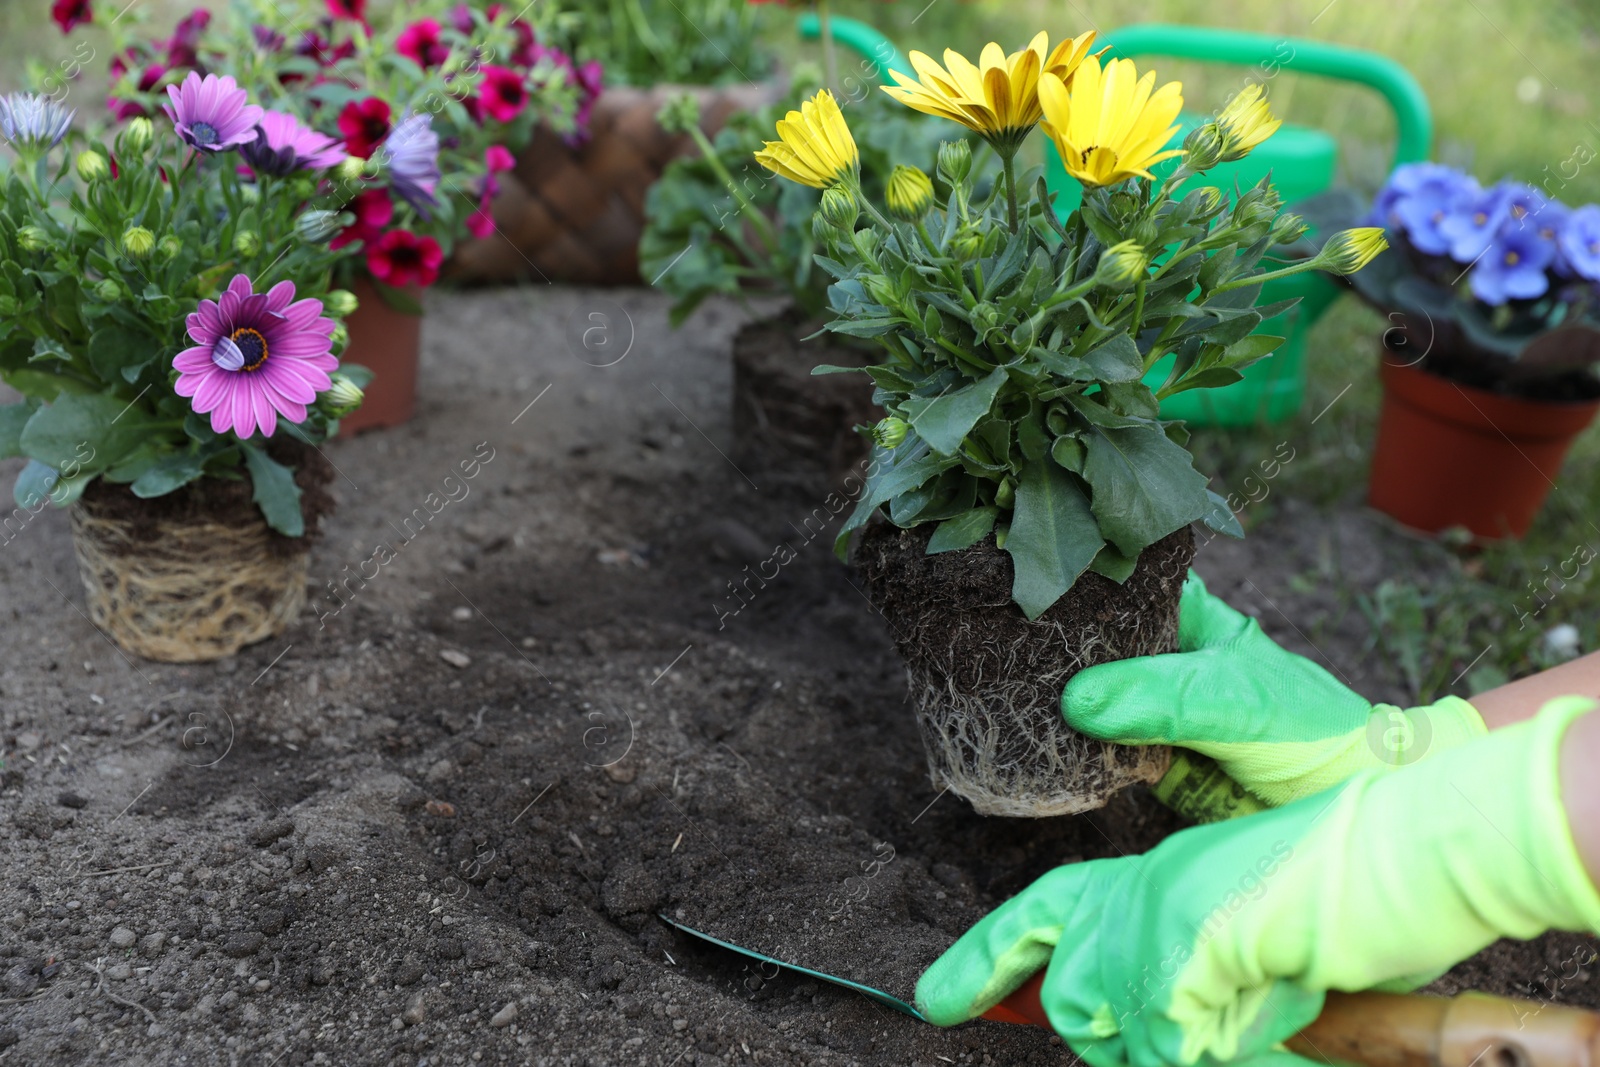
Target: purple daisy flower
1579	241
212	114
1513	267
256	356
411	155
283	146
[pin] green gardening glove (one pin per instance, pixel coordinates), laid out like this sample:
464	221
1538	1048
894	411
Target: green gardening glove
1222	941
1281	726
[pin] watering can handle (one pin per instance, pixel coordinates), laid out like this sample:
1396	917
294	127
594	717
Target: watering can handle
1270	54
1414	119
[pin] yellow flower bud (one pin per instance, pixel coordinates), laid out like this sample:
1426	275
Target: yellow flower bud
169	248
92	166
33	239
138	134
839	208
1204	146
138	242
1121	265
247	243
890	432
1349	250
340	303
1245	123
910	193
109	291
955	161
343	396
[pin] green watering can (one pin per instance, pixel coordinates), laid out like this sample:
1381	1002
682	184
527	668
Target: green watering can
1301	160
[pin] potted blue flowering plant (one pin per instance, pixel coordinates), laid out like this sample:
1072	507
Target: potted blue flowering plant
1490	361
166	314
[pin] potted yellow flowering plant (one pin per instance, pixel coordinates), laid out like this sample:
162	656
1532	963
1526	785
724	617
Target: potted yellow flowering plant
1027	512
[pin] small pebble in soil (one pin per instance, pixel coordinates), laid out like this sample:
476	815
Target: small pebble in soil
119	972
442	808
416	1011
71	800
408	972
459	660
461	614
505	1016
242	943
263	836
122	937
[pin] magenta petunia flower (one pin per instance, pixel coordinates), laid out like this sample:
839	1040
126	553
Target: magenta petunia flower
212	114
256	356
422	42
283	146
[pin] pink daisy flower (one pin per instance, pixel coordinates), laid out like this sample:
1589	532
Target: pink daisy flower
256	356
283	146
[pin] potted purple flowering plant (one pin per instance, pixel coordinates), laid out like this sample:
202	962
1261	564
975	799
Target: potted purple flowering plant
430	99
1490	366
166	314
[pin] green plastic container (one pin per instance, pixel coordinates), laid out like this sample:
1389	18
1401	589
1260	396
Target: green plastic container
1302	162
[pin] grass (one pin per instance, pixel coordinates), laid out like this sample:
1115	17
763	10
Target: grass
1506	83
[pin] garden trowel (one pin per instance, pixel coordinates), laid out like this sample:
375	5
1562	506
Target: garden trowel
1374	1029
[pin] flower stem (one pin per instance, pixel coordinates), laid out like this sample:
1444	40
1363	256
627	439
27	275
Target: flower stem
830	64
1006	161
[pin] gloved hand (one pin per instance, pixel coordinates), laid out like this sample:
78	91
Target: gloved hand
1281	726
1222	941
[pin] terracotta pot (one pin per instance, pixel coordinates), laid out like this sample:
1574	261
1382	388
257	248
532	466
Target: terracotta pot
387	341
1454	455
576	214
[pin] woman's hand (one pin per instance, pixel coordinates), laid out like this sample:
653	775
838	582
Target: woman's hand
1281	726
1222	941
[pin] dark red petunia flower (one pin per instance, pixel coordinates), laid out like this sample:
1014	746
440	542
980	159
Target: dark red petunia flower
401	258
422	43
364	123
373	211
70	13
183	47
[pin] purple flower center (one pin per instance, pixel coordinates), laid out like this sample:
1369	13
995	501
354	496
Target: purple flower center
203	133
245	350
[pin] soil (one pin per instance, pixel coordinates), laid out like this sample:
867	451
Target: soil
795	427
225	501
1452	356
987	681
432	822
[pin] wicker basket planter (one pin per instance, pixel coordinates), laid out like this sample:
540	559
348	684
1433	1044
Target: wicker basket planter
194	576
576	214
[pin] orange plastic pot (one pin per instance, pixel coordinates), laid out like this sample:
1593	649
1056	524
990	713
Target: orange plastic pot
387	341
1454	455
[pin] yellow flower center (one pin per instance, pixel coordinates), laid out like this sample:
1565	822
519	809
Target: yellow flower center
1512	259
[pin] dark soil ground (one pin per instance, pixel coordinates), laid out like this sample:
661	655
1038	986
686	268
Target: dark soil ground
431	824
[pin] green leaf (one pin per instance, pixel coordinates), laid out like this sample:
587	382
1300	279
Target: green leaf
890	473
1097	414
42	385
1220	517
1144	486
963	531
171	472
35	482
1245	352
13	417
114	350
94	431
1117	360
50	348
829	368
275	492
1053	537
1032	437
1211	378
1068	451
1109	563
944	420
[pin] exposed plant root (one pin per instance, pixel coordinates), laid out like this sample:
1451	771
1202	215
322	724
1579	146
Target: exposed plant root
986	683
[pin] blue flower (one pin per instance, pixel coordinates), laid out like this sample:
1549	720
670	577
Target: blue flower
1513	266
1579	241
1435	194
411	155
32	122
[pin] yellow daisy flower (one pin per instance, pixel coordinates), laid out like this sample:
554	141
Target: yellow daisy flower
814	145
999	97
1245	123
1110	125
